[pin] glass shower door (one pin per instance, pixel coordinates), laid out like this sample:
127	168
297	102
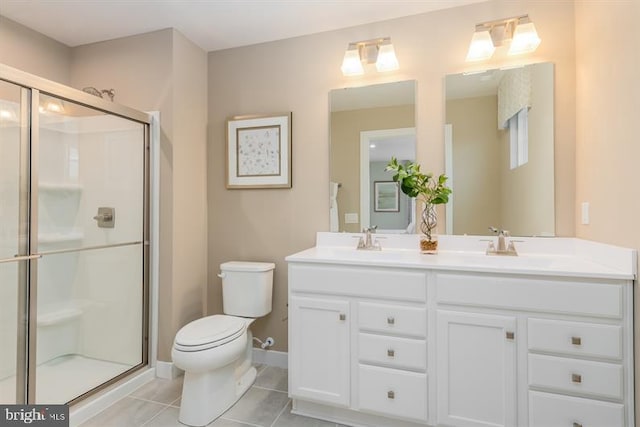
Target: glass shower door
13	242
91	324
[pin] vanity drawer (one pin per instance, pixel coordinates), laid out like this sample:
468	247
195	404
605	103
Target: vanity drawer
392	392
402	353
575	338
589	298
597	379
388	283
392	319
552	410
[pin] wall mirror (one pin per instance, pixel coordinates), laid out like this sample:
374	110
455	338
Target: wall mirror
368	126
499	151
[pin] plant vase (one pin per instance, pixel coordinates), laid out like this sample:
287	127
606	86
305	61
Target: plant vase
428	224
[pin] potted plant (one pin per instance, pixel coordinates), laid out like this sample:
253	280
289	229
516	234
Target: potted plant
429	190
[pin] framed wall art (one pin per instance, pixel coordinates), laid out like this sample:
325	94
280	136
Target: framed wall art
386	196
259	151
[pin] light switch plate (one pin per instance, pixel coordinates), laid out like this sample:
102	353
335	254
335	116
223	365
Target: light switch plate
585	213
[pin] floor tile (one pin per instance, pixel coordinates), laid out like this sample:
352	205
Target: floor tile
167	418
258	406
287	419
127	412
221	422
273	378
160	390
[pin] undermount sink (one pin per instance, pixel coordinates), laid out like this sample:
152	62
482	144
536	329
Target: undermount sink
481	259
358	254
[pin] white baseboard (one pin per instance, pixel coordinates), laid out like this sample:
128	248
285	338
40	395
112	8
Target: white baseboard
167	370
278	359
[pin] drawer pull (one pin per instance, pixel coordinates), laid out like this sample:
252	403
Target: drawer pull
391	320
576	378
391	352
391	394
577	425
510	335
576	341
343	316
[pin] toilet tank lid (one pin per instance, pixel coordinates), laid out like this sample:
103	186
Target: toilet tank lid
247	266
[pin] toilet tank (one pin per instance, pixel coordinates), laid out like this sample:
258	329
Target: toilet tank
247	288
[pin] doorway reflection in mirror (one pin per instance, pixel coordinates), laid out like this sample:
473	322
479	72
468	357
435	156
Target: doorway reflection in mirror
381	115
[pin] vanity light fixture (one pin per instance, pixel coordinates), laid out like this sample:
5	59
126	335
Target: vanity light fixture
379	51
519	30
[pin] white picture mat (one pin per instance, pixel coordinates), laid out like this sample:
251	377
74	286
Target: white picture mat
281	180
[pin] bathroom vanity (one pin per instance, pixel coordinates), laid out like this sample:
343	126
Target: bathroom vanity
397	338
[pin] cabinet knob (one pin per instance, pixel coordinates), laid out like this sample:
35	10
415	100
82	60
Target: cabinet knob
391	352
577	424
343	316
391	394
576	378
576	340
510	335
391	320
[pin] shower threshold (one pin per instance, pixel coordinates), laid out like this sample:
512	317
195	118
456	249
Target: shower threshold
66	377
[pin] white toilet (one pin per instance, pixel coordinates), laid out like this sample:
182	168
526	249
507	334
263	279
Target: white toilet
215	351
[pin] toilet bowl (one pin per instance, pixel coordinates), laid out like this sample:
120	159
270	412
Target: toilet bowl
215	352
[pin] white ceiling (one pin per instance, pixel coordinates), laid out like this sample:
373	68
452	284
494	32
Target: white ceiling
211	24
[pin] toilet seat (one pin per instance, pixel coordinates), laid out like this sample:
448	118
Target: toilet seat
209	332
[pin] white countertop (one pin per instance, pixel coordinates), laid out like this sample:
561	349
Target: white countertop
537	256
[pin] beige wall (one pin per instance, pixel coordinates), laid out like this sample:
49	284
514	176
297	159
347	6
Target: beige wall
27	50
297	74
345	150
607	148
190	183
476	183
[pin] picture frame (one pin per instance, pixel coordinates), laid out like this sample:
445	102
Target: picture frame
386	196
259	151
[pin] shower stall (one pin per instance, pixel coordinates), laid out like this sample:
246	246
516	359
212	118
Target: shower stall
74	241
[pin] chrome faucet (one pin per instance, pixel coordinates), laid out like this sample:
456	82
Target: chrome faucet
368	242
504	245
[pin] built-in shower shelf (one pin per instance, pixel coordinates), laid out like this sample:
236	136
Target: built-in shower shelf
59	187
44	238
52	318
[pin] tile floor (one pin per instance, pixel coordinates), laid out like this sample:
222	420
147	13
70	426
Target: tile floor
157	404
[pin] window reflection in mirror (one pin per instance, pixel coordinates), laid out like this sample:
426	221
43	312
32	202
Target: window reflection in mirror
368	126
499	176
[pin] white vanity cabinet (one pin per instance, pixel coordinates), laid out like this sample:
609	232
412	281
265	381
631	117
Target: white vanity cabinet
321	358
400	339
476	369
533	350
358	340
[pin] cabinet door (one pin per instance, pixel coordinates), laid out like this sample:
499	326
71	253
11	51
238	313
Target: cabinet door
319	350
476	369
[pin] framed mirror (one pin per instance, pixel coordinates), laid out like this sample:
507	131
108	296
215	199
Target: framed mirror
499	145
368	126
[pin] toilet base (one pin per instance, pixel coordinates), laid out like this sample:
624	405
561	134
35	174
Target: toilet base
207	395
